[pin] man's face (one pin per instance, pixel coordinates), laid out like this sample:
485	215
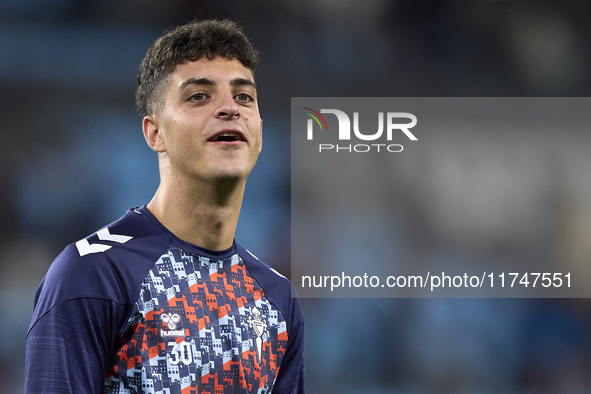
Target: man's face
210	126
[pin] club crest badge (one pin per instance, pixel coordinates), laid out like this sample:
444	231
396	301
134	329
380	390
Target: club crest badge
258	324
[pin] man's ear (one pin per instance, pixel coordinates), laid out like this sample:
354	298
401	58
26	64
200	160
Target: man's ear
152	134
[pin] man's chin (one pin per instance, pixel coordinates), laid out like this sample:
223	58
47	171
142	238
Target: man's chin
229	176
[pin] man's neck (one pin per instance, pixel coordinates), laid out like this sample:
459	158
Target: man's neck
202	213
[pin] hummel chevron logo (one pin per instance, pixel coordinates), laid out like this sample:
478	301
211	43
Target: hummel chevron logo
85	248
105	235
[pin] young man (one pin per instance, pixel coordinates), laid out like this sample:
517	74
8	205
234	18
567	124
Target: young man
164	300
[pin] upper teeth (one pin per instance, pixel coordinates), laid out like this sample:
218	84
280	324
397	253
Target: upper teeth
221	135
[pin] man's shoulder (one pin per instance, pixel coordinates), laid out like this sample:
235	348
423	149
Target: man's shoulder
130	240
261	270
108	264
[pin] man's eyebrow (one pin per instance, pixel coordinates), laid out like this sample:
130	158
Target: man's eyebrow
242	81
197	81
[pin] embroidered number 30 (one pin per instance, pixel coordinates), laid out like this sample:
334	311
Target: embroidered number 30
181	352
85	248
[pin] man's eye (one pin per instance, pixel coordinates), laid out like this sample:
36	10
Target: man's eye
198	97
243	97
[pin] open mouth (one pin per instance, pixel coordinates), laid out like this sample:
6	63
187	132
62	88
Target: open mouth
228	136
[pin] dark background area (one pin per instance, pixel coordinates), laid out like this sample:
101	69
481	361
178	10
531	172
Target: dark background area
74	159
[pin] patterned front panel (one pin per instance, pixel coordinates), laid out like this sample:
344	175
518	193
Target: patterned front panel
204	326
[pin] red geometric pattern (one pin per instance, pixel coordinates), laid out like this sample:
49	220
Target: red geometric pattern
200	327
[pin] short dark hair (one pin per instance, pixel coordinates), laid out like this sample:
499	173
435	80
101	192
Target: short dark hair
188	43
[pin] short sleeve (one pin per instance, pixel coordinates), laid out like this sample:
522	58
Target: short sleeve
69	347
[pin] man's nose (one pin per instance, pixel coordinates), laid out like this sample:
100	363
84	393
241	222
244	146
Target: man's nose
227	107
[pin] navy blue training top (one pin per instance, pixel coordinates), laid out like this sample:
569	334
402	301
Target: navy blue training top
134	309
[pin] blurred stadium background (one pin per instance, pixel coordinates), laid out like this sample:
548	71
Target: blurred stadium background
74	159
